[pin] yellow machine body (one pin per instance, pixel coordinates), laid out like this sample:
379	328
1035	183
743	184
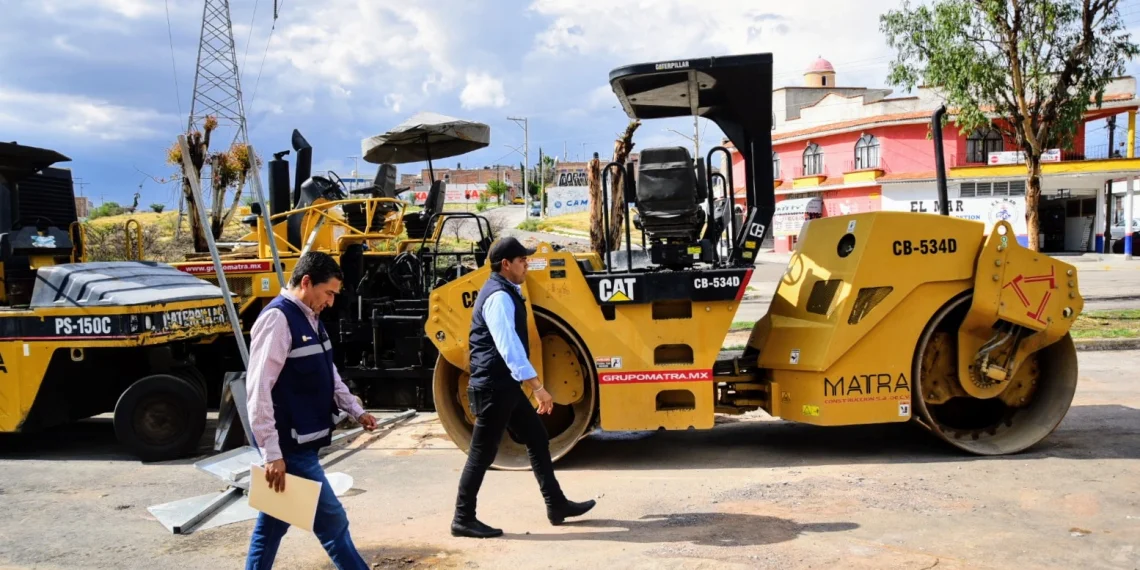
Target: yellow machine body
838	344
841	344
68	336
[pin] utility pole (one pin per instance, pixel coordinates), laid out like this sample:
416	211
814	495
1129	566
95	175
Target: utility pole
1108	193
525	124
541	182
356	166
696	137
217	82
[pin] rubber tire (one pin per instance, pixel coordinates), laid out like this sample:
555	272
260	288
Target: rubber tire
182	398
195	377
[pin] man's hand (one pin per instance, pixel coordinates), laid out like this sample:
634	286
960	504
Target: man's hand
275	475
367	421
545	401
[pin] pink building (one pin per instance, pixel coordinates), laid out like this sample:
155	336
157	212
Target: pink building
840	150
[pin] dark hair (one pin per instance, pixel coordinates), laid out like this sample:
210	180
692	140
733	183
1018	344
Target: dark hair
318	265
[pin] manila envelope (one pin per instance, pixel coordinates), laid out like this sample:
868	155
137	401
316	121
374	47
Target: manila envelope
296	505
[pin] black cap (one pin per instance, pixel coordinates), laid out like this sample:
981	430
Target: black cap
508	248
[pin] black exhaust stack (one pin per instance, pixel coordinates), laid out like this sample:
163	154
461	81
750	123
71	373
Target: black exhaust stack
940	161
304	163
279	183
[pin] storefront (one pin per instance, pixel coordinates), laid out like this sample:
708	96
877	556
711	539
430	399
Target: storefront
988	207
789	220
793	208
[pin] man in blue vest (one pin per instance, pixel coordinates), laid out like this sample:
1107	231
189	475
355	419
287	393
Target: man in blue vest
500	352
294	393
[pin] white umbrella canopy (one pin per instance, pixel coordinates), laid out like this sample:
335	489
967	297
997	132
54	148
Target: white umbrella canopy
424	137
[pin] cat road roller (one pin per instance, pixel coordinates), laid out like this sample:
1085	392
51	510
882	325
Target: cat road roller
78	338
879	317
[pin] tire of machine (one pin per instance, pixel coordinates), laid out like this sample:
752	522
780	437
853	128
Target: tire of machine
450	397
160	417
194	376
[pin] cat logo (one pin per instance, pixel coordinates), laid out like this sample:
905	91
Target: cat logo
620	290
469	299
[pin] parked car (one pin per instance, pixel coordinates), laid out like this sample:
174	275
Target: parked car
535	209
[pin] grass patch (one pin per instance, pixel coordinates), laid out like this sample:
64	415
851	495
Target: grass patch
580	222
742	325
529	225
1112	323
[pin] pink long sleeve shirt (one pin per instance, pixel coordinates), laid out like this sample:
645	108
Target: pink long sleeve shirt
270	344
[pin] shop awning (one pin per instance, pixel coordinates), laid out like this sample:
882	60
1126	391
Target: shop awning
791	214
799	206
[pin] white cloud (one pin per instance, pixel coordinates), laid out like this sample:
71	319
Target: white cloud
46	115
394	101
357	46
483	90
794	32
132	9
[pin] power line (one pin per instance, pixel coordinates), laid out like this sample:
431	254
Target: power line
249	38
276	12
177	89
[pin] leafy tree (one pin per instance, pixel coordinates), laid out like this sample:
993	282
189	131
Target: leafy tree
498	189
1037	64
158	208
104	210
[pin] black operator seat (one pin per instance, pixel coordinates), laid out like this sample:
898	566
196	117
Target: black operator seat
417	223
383	186
669	196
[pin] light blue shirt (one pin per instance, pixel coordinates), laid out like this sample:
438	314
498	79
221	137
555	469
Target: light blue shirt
499	314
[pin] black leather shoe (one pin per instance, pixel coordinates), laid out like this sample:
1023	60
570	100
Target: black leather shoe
474	529
570	509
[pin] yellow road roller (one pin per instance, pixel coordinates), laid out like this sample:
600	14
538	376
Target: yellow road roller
879	317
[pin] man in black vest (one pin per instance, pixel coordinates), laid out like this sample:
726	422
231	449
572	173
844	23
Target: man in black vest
500	352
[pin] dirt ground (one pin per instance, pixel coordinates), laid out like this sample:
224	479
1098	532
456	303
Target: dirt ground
755	493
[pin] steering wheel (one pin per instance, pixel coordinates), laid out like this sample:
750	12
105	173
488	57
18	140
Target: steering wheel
334	194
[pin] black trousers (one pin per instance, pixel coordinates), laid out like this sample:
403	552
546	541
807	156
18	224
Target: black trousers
497	409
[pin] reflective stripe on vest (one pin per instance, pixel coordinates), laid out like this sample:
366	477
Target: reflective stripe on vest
311	349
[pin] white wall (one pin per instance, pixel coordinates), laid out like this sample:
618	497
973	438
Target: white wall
984	209
562	200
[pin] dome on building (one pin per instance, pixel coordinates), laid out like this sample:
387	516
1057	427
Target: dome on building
820	65
819	74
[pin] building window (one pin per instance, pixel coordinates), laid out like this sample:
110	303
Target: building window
986	189
813	160
867	152
775	166
981	143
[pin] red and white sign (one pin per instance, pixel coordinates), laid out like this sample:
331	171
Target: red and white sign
655	376
229	267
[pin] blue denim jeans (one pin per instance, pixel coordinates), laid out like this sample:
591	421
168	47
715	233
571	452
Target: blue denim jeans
330	525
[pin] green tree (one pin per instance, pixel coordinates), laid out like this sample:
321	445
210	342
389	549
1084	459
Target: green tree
1037	64
498	189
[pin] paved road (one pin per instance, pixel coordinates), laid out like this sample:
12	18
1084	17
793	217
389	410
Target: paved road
751	493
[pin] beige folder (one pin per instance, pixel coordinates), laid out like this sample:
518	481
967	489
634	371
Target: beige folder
296	505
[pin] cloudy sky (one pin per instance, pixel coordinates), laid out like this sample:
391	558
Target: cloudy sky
109	82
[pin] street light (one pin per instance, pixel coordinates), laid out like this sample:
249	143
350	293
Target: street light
355	166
